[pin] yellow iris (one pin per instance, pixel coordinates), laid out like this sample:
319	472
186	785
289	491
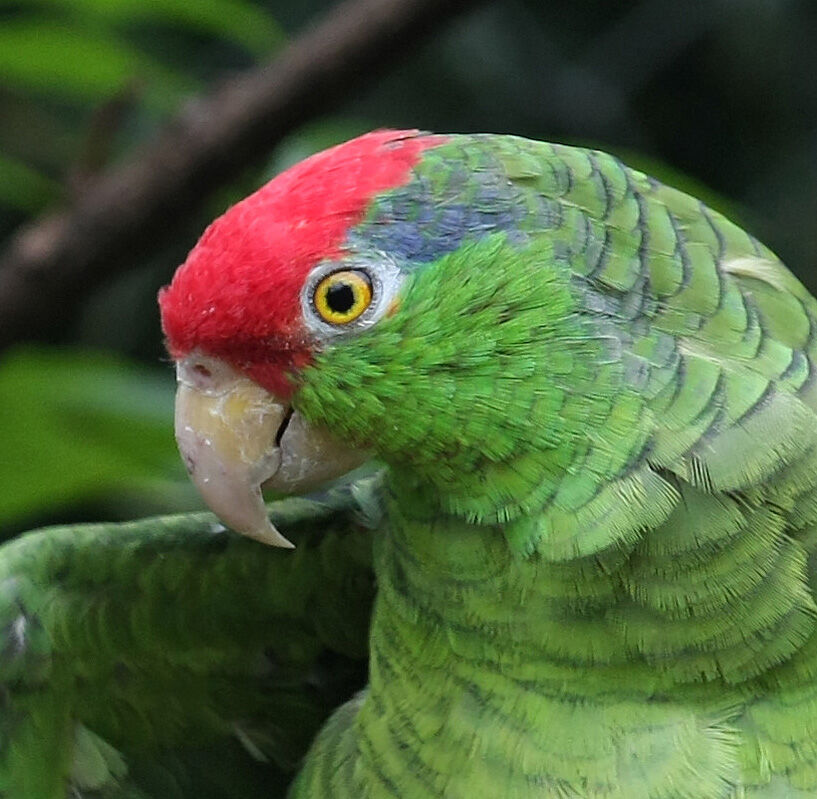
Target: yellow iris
343	296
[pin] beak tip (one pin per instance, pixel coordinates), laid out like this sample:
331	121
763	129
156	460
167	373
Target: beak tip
283	542
268	534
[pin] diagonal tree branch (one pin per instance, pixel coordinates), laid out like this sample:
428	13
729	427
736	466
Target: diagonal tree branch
58	259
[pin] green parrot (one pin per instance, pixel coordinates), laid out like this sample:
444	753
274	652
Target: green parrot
577	560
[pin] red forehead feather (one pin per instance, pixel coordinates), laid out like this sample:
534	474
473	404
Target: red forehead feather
238	293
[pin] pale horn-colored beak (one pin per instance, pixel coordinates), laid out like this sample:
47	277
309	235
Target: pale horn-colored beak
235	437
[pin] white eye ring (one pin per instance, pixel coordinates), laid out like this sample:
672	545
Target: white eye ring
385	276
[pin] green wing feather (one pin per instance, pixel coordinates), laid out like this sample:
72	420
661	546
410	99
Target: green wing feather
167	658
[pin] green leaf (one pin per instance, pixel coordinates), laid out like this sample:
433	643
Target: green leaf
46	56
78	425
242	22
23	188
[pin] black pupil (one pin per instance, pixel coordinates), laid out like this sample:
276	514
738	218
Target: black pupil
340	298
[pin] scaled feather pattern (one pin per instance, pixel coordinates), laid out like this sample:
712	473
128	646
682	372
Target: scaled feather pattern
593	404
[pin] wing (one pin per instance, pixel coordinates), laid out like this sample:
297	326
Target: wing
169	658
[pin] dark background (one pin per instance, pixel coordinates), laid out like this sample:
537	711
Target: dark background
718	97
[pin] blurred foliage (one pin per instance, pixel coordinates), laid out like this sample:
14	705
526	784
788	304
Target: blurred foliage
80	424
65	64
717	98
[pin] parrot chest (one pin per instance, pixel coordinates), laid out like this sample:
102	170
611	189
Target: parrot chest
465	703
499	681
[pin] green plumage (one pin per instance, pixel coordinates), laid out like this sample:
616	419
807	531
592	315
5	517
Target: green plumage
208	660
598	422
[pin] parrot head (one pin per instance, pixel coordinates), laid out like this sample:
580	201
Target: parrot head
376	299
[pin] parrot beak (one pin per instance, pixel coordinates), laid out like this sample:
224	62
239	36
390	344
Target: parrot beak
234	437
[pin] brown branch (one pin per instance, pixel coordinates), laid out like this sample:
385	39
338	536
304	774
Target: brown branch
49	265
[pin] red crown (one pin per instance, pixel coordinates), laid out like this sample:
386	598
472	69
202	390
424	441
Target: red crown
238	293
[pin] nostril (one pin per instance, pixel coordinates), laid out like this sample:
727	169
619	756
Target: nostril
202	371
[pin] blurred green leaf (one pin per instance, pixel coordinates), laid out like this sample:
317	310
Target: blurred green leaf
52	58
77	425
242	22
24	188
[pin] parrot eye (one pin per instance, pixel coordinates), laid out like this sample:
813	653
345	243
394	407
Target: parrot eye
346	297
341	297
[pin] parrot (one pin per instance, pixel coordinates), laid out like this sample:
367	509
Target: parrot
542	437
